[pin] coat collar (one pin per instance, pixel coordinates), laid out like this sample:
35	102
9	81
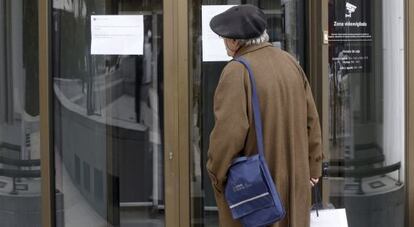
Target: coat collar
247	49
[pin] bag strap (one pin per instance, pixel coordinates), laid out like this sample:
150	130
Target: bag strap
256	108
259	136
317	199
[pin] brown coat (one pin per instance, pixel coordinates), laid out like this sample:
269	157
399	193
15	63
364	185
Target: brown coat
292	135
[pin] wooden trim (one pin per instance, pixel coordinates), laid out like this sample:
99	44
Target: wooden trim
47	185
171	132
184	111
325	77
176	96
409	66
318	71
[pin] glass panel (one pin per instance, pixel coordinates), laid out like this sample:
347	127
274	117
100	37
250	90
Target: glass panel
20	193
108	112
286	19
366	111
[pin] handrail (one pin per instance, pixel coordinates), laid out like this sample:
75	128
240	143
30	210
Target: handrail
18	162
363	172
16	173
10	146
357	161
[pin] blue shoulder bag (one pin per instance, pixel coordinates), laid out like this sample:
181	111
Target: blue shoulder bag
250	191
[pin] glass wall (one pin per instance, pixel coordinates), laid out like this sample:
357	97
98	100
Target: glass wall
367	111
20	193
286	27
108	112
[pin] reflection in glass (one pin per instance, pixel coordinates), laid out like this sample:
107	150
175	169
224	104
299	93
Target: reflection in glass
20	193
286	30
366	111
108	128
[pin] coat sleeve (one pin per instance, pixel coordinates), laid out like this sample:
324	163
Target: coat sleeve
228	136
314	135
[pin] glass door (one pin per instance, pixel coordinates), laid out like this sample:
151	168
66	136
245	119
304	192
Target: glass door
108	113
286	28
366	166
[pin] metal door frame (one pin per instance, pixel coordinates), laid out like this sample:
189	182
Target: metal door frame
318	71
177	112
409	115
45	97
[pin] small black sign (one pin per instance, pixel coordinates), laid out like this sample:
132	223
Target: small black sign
350	36
350	21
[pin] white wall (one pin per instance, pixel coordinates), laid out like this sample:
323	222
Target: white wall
393	59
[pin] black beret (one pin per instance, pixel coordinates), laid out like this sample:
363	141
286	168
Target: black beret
239	22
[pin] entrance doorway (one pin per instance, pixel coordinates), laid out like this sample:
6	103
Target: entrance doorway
108	113
286	22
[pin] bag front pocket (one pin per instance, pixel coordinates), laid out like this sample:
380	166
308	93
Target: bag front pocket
246	190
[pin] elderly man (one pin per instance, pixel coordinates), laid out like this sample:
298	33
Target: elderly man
292	135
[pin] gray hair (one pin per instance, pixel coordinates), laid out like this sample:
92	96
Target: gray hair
264	37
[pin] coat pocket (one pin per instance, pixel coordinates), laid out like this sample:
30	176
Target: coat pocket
214	181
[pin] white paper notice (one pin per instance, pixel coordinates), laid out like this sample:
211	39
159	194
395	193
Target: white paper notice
117	35
213	45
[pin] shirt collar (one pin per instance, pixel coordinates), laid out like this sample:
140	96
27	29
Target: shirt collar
247	49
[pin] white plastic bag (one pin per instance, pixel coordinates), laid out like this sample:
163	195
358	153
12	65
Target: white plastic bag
329	218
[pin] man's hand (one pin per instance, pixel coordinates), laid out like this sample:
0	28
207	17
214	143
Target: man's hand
314	181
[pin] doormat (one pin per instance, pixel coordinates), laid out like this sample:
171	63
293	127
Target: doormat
351	187
376	184
22	187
